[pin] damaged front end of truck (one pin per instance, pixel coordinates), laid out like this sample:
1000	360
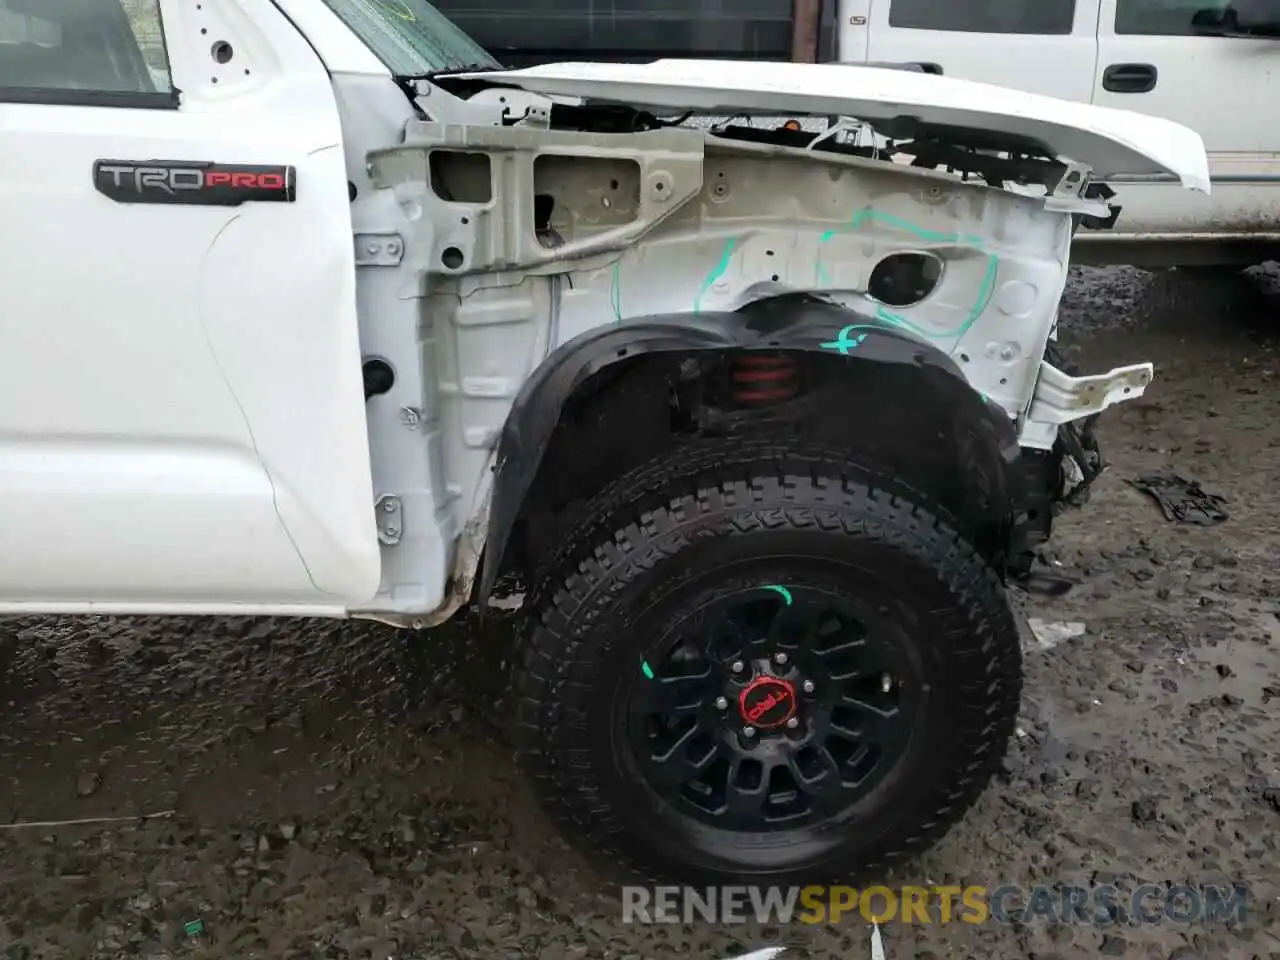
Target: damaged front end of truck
608	270
743	375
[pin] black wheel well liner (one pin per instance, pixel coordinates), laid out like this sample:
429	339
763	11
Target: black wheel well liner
584	365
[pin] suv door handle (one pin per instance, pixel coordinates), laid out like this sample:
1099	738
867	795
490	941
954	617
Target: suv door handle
1130	78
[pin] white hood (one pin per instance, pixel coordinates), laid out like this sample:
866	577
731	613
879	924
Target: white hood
1109	141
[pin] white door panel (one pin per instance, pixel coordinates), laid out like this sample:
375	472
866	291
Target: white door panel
1041	46
181	408
852	36
1224	88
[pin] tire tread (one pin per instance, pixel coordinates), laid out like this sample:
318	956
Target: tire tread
722	489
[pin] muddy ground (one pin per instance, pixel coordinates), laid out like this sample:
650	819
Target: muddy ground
345	791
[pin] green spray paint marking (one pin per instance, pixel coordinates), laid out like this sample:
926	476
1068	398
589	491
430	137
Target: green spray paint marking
984	297
715	274
615	292
646	669
786	594
888	219
843	344
820	276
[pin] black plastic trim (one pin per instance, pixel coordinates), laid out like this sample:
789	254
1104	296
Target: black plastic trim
787	323
120	99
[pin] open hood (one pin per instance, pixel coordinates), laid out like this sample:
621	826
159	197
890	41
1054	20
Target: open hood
1110	142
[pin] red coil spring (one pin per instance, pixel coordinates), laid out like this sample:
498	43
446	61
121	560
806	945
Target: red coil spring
760	379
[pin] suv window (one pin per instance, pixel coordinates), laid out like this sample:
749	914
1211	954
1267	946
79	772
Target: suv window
1168	18
80	51
984	16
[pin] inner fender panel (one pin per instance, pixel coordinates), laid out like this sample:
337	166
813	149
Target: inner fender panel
982	431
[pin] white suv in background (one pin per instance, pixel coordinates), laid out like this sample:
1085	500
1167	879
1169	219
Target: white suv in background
1192	61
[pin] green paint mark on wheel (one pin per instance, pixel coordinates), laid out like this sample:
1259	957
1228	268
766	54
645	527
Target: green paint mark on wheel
646	669
786	594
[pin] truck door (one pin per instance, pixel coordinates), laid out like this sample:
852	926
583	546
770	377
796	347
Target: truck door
1041	46
181	412
1154	58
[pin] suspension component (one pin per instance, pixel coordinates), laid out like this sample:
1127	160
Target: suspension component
761	379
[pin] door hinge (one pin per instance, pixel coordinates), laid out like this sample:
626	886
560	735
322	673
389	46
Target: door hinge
388	518
379	249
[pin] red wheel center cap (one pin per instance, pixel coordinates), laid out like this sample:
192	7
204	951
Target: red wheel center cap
767	702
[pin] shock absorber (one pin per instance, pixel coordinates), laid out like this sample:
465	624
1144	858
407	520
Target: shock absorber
762	379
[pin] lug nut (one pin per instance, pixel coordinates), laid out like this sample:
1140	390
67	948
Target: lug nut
793	723
807	686
738	666
748	732
779	658
722	703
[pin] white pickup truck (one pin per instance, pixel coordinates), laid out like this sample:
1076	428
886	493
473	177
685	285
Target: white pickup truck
1213	65
311	309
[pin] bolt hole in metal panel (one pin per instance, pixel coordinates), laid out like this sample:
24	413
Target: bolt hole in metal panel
905	279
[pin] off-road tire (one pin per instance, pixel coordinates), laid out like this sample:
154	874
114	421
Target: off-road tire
709	504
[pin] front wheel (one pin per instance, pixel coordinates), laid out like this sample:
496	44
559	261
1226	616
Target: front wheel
758	665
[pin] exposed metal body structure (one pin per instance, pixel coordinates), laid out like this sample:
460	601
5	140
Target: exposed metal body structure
578	236
549	278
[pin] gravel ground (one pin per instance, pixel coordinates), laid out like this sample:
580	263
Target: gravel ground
346	791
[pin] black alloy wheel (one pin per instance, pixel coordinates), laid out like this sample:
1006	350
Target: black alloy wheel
771	707
759	664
